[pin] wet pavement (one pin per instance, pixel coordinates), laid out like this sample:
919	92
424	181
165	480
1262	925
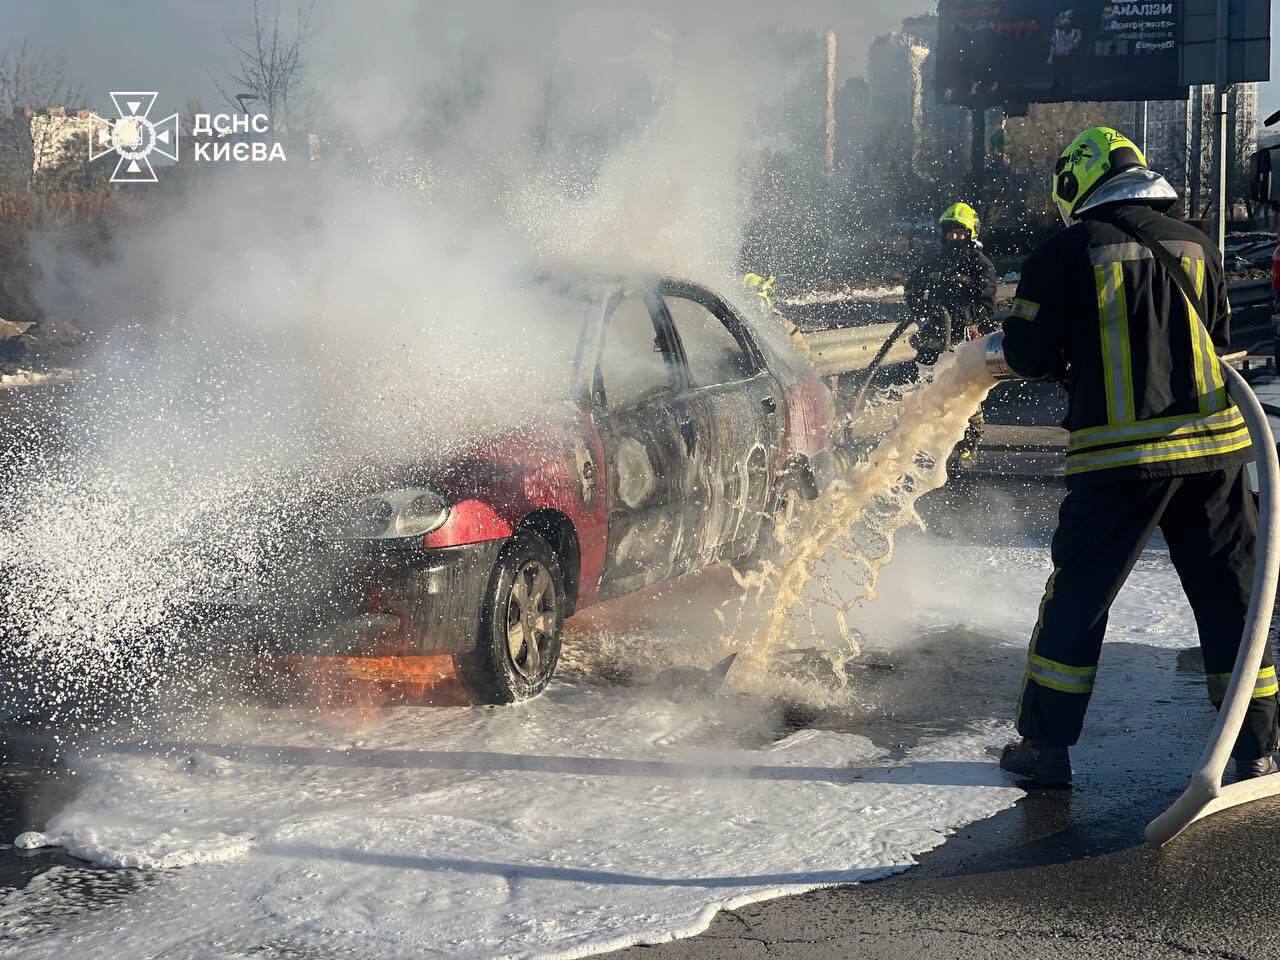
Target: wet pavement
1064	873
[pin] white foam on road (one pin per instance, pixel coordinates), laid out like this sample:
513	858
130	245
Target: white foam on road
588	819
584	820
843	295
996	590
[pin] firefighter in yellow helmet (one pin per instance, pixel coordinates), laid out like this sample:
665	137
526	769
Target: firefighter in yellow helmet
952	291
762	287
1128	309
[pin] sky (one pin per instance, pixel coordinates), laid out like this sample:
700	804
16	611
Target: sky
179	45
1269	93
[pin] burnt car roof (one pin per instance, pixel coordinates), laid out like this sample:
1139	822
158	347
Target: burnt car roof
585	281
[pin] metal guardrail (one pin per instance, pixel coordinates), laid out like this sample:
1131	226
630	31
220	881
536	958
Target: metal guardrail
1250	293
849	349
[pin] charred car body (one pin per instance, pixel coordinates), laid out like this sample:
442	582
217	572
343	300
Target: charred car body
687	429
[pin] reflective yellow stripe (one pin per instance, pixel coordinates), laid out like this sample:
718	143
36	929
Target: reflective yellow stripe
1035	635
1161	451
1210	389
1027	309
1117	363
1264	686
1158	429
1060	676
1197	347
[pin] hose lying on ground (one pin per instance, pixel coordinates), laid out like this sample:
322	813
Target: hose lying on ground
1205	794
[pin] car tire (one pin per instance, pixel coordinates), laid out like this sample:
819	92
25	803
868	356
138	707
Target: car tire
524	606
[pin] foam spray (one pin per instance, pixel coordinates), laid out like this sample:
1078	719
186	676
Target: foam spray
838	543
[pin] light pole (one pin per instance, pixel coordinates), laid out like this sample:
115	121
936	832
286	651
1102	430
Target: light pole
1220	128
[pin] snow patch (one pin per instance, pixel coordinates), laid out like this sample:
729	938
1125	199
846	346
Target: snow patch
32	840
34	378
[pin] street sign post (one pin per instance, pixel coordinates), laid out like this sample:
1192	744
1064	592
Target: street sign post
1224	42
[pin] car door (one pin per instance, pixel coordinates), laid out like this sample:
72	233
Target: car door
647	449
735	411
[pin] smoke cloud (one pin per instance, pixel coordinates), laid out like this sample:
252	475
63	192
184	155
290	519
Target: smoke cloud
266	330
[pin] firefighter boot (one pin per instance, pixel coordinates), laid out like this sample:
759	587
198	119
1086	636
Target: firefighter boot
1252	769
1037	764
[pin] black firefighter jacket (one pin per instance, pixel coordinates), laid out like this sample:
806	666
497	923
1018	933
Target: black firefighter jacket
958	278
1095	309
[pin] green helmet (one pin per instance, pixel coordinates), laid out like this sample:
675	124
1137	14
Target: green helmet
961	215
1096	157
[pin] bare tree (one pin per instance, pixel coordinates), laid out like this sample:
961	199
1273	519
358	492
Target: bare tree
1038	139
29	84
270	68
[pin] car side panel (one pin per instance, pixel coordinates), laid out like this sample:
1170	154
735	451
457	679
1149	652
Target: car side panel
552	468
648	472
737	438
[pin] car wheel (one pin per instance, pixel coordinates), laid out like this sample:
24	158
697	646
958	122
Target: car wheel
518	643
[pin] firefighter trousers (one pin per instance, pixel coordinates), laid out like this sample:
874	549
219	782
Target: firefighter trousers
1210	523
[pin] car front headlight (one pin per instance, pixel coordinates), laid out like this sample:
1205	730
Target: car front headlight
392	515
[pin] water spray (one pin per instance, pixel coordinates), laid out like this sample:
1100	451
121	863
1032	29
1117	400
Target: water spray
851	528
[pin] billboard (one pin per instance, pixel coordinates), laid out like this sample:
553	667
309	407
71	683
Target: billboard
1036	51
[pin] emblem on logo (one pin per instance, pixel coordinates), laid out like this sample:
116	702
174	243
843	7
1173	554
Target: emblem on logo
133	137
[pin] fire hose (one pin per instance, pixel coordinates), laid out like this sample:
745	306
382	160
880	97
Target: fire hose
861	396
1205	793
943	318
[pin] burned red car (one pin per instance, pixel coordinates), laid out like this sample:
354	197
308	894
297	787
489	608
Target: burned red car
688	428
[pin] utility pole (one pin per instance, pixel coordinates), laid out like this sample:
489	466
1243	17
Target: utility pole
978	154
1220	128
1195	150
831	103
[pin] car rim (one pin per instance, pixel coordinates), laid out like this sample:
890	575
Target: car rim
531	619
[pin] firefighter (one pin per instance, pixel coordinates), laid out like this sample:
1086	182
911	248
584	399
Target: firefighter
957	279
1154	442
953	295
760	286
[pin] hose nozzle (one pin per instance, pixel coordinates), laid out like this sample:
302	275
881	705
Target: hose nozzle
993	345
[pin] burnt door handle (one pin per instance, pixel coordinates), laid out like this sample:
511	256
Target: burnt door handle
770	405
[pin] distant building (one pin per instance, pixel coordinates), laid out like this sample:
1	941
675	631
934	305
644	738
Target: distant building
1172	144
913	132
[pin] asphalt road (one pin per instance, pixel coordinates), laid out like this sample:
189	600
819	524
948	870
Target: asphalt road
1063	874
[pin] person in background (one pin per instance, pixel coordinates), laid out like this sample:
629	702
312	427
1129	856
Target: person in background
952	293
